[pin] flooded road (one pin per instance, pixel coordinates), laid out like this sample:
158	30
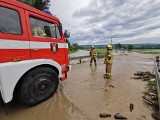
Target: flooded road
86	94
56	108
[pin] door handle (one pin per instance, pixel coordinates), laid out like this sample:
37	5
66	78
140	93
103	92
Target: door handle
34	49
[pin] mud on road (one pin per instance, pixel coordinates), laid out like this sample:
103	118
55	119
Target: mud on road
86	93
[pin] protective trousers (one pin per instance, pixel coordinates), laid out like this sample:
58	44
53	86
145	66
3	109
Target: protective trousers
108	70
93	58
108	61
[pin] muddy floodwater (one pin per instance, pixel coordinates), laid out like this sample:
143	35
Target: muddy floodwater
86	93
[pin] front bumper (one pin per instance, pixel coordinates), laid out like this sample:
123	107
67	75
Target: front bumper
64	73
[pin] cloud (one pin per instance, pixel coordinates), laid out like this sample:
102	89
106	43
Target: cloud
127	21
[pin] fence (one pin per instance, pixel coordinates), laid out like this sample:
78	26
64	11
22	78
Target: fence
157	72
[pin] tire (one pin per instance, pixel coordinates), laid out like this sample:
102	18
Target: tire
37	86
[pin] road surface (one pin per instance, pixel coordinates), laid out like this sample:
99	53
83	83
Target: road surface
86	93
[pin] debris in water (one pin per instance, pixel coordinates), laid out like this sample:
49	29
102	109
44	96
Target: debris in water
112	86
150	102
131	107
156	115
136	77
152	80
152	94
118	116
145	76
139	73
104	115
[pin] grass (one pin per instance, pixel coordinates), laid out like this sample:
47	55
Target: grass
101	51
148	51
151	86
151	83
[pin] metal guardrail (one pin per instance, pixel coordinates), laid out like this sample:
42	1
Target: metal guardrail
157	72
82	57
79	57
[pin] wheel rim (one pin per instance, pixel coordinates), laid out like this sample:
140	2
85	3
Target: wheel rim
41	87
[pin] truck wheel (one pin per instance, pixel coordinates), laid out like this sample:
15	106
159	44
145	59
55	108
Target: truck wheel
37	86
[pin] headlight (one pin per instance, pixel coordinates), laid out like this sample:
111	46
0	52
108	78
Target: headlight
63	66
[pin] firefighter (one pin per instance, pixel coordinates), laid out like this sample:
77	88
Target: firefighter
108	61
93	55
37	31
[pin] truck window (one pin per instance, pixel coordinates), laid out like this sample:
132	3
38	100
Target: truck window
10	21
55	32
38	25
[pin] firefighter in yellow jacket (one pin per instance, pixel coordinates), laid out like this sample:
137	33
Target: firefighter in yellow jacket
108	61
37	31
93	55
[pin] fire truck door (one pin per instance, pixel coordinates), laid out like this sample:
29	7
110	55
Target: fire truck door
42	44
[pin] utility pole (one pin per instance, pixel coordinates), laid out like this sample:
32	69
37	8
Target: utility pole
111	36
111	40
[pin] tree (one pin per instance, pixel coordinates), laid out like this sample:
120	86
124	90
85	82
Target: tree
124	47
28	2
42	4
119	46
76	46
72	48
39	4
130	47
116	46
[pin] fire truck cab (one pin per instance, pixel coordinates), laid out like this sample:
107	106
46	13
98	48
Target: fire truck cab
33	53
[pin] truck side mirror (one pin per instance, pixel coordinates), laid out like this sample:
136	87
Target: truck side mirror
66	34
47	31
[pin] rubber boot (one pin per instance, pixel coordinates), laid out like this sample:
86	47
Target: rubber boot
108	76
118	116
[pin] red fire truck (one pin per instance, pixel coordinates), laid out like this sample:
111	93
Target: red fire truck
33	53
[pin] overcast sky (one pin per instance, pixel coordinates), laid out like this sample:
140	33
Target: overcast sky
95	21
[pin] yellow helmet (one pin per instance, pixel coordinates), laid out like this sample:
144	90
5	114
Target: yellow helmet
109	47
92	46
